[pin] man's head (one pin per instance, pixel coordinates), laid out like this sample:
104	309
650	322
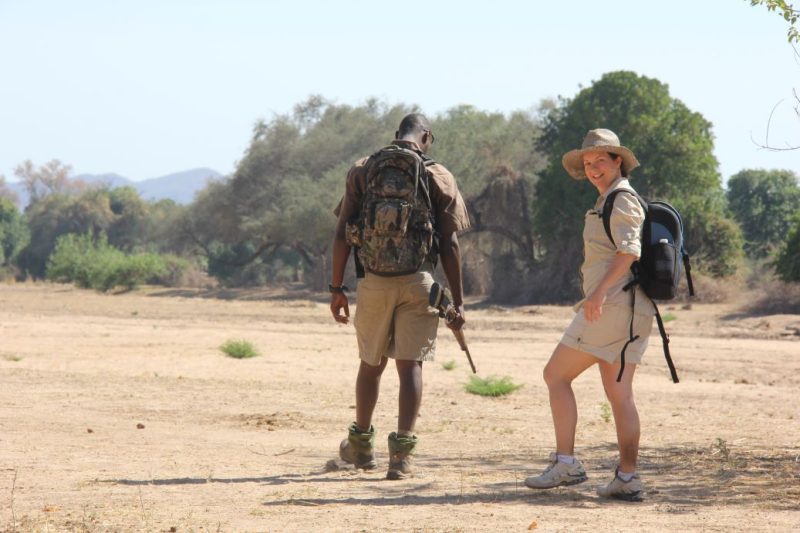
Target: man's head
415	127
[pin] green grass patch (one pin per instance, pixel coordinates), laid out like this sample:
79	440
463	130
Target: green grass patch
449	365
239	349
12	357
491	386
669	317
605	412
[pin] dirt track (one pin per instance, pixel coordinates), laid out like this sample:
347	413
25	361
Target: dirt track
241	445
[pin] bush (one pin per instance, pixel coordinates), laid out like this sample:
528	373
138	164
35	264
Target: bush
491	386
93	263
775	298
709	289
239	349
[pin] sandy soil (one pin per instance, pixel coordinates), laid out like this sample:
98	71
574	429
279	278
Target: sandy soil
119	413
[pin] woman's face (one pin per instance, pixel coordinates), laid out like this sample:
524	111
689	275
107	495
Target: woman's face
601	169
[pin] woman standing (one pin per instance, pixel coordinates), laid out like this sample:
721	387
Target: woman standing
602	326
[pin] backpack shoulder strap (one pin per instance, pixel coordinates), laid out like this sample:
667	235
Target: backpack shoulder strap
427	161
608	207
665	344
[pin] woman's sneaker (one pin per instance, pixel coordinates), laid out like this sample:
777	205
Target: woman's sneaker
631	491
557	474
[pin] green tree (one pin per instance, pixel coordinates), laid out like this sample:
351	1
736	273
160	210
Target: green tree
475	144
281	196
56	214
495	160
763	203
13	232
50	178
786	11
787	263
275	211
127	222
6	191
675	146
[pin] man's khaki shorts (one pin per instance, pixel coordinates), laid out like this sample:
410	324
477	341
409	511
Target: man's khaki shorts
606	337
393	318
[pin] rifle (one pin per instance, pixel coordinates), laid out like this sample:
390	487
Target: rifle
441	299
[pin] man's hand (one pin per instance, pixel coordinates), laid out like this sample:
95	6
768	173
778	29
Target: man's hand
593	306
457	322
338	304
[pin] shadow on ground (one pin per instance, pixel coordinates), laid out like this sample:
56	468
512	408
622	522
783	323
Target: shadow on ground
279	293
682	478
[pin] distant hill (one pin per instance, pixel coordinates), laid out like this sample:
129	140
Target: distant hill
179	186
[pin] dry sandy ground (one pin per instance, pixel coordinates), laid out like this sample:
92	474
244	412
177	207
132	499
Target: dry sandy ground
119	413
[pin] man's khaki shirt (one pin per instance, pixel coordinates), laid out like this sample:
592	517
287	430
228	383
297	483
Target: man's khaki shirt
450	211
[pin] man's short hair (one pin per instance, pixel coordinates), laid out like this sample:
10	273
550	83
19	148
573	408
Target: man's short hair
413	124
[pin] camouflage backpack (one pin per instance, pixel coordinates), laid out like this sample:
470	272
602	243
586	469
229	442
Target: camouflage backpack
393	233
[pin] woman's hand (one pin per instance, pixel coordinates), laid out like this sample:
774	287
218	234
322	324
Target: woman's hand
593	305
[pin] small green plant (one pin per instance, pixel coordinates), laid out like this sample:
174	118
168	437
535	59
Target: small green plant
669	317
491	386
449	365
239	349
605	412
720	447
12	357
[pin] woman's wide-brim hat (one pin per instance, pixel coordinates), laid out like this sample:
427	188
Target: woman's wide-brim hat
598	140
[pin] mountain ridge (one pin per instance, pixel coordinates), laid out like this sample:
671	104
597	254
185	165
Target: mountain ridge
178	186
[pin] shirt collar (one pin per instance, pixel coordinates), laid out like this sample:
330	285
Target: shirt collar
619	183
411	145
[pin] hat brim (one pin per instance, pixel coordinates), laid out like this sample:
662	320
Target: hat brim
573	160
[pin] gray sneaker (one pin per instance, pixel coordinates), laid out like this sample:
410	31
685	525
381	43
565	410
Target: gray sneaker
358	448
557	475
630	491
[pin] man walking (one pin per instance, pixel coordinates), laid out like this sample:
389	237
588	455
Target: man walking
401	211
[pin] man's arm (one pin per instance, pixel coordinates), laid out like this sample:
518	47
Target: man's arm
341	252
450	253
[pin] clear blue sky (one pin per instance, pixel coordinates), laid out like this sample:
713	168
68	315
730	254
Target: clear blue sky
148	88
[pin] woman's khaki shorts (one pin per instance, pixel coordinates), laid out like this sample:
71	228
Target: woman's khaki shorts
606	337
393	318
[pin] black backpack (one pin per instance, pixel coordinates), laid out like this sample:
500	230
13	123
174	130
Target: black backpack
658	270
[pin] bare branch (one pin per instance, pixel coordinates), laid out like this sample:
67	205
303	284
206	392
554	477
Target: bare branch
766	145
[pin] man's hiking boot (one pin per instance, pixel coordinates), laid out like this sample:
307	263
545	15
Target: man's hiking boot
557	474
630	491
358	448
401	448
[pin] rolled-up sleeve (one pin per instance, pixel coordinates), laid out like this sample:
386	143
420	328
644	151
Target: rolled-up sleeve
449	206
627	220
354	191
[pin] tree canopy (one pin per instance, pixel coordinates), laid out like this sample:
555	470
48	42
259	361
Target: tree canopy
675	147
272	219
786	11
763	202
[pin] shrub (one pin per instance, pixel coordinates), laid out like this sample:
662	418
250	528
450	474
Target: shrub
491	386
775	298
239	349
93	263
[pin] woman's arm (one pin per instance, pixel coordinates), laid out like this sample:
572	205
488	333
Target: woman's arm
593	305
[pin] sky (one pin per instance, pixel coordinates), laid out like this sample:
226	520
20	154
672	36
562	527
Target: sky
148	88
